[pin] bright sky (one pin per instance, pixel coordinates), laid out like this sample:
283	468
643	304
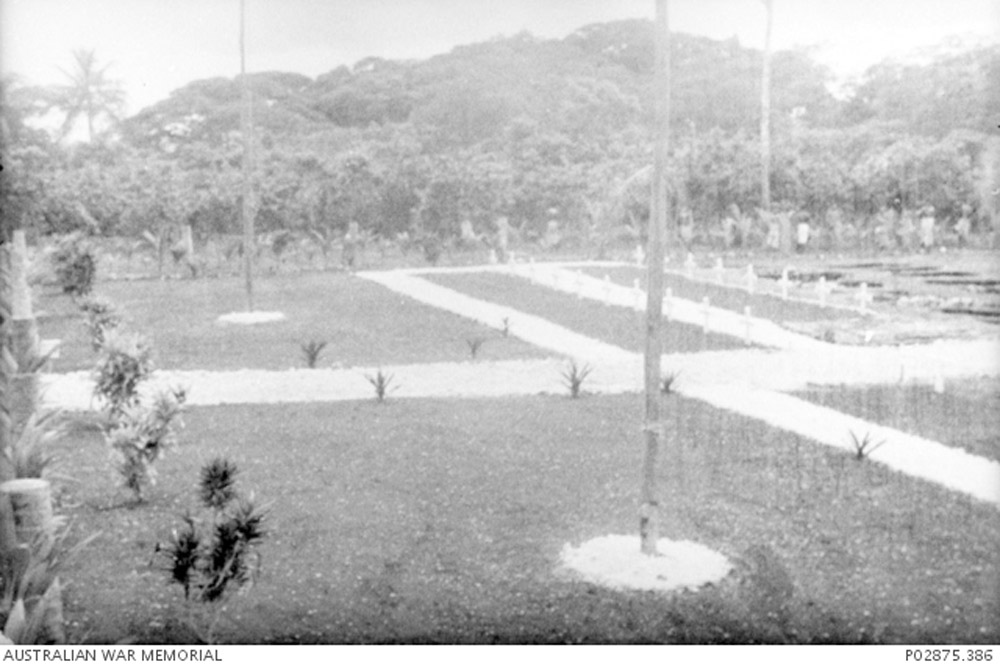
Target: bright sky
155	46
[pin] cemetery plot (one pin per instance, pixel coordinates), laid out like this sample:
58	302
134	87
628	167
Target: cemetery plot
960	413
361	322
735	298
442	520
623	327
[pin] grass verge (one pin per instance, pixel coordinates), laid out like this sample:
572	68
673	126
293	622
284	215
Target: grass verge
965	414
616	325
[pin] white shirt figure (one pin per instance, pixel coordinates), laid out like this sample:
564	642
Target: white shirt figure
927	229
802	234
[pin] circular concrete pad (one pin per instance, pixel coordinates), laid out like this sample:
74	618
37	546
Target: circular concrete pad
615	561
252	317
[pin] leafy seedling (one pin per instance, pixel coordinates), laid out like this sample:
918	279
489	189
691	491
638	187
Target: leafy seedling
505	326
381	382
574	376
474	345
667	383
865	445
311	352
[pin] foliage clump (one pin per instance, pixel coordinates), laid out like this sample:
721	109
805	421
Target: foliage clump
212	557
100	317
75	265
125	362
139	437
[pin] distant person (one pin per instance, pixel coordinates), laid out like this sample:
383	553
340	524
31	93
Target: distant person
905	230
927	223
802	232
964	226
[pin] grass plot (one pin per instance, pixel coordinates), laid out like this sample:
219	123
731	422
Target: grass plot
361	322
423	520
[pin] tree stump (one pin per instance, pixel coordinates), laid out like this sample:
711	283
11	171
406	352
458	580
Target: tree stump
31	501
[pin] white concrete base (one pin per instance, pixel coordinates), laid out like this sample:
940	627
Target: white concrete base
615	561
252	317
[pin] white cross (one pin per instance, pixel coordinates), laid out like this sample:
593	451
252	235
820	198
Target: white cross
751	279
689	265
864	297
784	282
822	289
719	271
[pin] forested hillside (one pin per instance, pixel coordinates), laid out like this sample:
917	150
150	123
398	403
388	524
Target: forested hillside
526	128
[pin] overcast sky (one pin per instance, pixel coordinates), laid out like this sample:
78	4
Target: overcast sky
156	46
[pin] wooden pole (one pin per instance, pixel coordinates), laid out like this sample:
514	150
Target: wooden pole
246	129
648	528
765	113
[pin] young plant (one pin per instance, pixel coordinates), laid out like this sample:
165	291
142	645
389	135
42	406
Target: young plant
141	436
311	352
864	446
125	362
667	383
212	558
505	326
474	345
100	317
574	376
381	382
75	265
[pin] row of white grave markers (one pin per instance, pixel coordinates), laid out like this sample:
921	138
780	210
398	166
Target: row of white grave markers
863	296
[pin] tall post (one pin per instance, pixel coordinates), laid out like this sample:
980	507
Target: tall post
246	129
648	529
765	113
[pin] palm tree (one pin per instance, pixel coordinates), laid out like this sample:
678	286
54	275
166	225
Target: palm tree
90	94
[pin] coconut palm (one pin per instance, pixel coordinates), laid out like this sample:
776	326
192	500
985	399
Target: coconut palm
91	94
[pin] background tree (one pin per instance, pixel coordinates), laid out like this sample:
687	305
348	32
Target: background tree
90	95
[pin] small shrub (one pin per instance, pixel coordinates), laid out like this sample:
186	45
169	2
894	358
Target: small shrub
474	345
100	317
574	376
75	265
124	363
381	382
864	446
432	248
141	436
212	558
667	383
217	486
505	327
311	352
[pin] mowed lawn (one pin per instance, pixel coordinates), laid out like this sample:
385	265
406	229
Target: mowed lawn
422	520
363	324
965	414
616	325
